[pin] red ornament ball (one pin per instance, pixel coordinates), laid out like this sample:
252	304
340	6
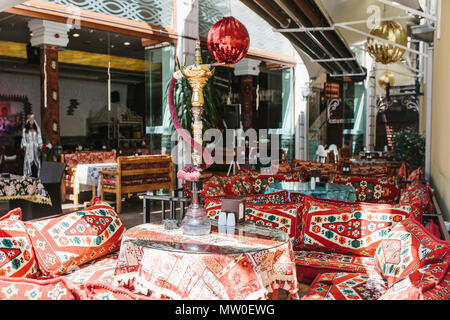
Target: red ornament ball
228	40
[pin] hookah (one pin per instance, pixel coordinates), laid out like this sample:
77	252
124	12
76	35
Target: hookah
227	50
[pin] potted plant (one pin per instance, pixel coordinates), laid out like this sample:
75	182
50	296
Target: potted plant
408	145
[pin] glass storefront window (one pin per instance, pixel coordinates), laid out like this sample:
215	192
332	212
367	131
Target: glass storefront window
160	68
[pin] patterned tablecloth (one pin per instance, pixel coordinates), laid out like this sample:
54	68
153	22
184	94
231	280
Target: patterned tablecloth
224	266
23	188
89	175
328	191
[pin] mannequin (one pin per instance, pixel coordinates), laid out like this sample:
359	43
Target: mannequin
32	143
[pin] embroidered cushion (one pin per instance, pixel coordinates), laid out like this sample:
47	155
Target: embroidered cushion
17	258
213	205
58	288
417	175
211	189
306	166
67	241
15	214
262	181
407	248
239	187
384	189
353	228
283	217
371	169
419	196
346	286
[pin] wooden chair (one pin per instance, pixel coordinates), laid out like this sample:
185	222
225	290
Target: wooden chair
72	160
137	174
345	154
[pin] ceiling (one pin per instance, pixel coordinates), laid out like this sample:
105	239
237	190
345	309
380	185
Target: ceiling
15	28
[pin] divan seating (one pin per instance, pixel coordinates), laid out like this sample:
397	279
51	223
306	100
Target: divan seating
137	174
81	157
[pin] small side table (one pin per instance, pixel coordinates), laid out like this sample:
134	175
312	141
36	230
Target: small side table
173	201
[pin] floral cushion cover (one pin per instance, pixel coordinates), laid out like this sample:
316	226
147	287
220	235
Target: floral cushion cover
65	242
17	258
407	248
353	228
385	189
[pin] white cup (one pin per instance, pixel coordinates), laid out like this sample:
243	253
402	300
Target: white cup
230	220
230	230
222	228
222	219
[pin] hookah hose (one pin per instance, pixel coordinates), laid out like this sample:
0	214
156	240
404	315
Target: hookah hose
182	132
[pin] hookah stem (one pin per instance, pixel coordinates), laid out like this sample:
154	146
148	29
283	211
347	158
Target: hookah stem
182	132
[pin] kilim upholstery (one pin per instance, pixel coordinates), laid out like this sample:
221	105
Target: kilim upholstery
137	174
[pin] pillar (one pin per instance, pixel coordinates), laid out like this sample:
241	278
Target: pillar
49	36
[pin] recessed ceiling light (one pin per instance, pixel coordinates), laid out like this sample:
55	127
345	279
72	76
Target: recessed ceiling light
126	43
76	35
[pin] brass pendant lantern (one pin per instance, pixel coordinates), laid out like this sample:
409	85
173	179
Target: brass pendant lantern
384	52
385	78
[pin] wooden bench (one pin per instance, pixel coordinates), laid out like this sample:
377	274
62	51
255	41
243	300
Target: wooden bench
137	174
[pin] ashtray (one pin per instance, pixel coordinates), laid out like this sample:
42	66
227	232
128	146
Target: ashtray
170	224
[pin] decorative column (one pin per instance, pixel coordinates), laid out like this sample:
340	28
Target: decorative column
247	69
49	36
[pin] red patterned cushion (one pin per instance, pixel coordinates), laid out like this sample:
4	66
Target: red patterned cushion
346	286
105	291
372	169
417	175
211	189
418	196
356	228
73	159
213	205
407	248
306	166
15	214
99	270
236	187
283	217
262	181
297	197
384	189
17	258
281	197
58	288
306	260
67	241
429	283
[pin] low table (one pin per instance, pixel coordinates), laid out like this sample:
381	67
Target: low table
246	262
328	191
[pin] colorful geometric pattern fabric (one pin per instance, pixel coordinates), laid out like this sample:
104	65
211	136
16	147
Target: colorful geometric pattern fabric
58	288
407	248
24	188
346	286
211	189
282	217
372	169
306	166
73	159
262	181
417	175
349	229
99	270
65	242
335	261
238	187
384	189
281	197
431	282
15	214
17	258
419	197
183	275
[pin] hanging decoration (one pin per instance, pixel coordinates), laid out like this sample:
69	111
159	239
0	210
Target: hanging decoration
385	78
228	40
382	51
